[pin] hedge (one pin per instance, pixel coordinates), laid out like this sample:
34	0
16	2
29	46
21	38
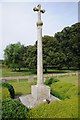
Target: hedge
64	90
5	93
56	109
51	80
13	110
10	88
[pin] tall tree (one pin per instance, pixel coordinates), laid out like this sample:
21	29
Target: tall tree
62	50
14	55
69	39
30	57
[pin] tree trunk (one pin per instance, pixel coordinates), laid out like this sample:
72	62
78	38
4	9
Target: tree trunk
45	70
19	69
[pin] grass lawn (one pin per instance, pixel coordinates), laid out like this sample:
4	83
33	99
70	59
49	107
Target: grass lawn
24	72
22	86
8	72
70	79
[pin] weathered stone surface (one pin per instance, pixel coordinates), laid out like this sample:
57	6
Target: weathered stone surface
30	102
40	91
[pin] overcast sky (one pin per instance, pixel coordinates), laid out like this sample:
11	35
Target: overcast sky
19	21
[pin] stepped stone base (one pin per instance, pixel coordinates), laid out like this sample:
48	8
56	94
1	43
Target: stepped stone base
39	94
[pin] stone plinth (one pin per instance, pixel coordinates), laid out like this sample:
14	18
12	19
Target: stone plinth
40	92
31	102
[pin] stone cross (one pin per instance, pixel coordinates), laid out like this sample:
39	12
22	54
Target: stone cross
39	92
39	46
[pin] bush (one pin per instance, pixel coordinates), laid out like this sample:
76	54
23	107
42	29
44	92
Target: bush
56	109
49	81
10	88
64	90
5	93
13	110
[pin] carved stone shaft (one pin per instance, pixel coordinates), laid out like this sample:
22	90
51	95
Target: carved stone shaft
39	46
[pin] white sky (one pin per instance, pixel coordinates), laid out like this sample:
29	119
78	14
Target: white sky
18	21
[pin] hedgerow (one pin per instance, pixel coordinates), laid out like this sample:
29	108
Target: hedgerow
10	88
13	110
5	93
56	109
64	90
51	80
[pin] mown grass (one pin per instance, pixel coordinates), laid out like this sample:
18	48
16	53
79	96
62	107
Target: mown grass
8	72
5	72
69	79
22	86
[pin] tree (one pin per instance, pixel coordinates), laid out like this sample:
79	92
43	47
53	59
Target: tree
14	56
69	39
30	57
52	54
62	50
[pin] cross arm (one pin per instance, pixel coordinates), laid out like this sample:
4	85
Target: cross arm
35	9
43	11
38	8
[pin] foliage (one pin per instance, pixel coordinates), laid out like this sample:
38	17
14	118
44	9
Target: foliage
5	93
61	51
49	81
56	109
14	56
69	38
67	108
10	88
23	86
51	53
64	90
13	109
30	57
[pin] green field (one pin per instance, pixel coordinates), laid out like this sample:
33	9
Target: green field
8	72
69	79
23	86
24	72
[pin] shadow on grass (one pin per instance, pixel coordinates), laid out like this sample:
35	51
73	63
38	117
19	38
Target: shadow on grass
34	71
56	71
61	71
26	70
